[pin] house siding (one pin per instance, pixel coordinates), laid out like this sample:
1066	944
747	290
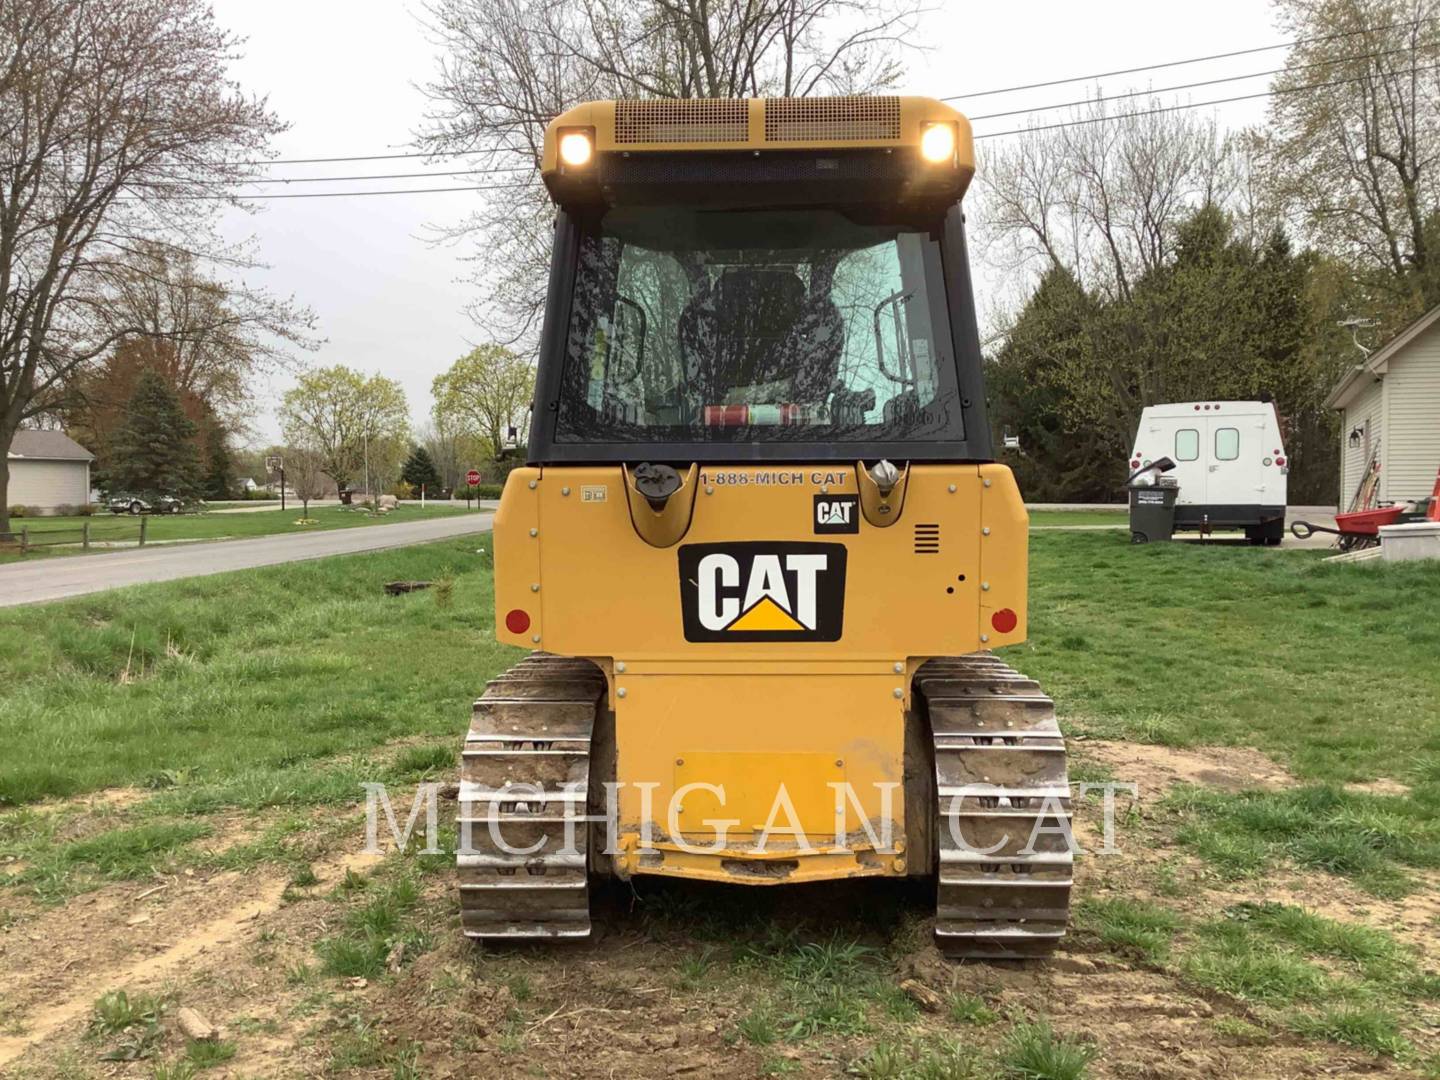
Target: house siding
45	485
1413	419
1366	411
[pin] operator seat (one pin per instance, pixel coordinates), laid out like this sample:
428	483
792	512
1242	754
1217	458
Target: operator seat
757	327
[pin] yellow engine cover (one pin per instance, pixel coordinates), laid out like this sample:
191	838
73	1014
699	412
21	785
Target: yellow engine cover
770	646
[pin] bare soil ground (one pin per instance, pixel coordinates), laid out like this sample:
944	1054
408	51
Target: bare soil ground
661	989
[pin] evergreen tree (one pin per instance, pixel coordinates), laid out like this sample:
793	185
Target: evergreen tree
420	471
153	452
218	470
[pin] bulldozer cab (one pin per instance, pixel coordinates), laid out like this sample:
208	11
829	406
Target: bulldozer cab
813	305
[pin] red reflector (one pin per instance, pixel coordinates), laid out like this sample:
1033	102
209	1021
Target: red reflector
517	621
1279	461
1004	620
1134	464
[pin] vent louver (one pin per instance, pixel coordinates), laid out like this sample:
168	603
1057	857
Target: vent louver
927	539
832	119
711	120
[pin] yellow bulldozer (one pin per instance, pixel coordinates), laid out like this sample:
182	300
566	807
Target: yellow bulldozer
761	551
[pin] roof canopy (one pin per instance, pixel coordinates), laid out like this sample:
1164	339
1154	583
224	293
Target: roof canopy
47	446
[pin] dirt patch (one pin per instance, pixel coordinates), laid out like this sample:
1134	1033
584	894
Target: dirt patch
1382	786
133	936
233	947
1156	768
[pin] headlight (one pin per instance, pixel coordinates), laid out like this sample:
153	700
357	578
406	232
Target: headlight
576	148
937	142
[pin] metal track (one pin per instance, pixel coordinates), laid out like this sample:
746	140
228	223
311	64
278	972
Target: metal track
527	762
992	726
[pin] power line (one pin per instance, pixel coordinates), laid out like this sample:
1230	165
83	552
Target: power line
984	116
335	194
1192	60
987	135
951	97
1192	105
1196	85
327	179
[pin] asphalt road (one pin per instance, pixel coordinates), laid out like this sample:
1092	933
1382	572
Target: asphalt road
54	579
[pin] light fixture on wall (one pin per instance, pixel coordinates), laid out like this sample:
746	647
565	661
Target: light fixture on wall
1356	434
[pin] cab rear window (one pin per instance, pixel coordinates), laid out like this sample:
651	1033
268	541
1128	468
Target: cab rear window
693	326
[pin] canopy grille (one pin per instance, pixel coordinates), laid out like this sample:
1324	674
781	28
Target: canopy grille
831	119
710	120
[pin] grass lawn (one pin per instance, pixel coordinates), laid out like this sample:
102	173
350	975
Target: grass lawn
275	692
1050	518
1331	669
245	679
206	526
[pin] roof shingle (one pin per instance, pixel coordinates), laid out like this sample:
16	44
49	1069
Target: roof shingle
48	446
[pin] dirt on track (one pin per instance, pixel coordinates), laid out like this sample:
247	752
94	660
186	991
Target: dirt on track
240	949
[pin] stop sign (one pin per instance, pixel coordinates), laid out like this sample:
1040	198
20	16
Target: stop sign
472	477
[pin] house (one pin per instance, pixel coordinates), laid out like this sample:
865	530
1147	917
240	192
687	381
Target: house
1390	414
48	469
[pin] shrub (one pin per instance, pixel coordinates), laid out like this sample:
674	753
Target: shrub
88	509
65	510
259	494
402	490
18	511
479	491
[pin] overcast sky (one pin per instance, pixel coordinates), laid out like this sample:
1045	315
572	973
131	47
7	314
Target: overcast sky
342	74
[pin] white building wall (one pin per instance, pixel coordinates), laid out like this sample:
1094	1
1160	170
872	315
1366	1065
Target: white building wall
1413	419
1367	413
44	485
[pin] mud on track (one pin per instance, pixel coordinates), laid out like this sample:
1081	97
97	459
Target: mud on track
671	982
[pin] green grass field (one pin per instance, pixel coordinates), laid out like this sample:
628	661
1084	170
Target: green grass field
275	692
1051	518
124	529
1331	669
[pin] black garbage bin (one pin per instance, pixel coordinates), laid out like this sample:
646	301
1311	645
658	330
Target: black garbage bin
1152	511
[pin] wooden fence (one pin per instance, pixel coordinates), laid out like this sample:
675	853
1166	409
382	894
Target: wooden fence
100	531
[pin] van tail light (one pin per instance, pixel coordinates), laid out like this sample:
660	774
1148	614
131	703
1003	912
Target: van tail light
1135	463
1279	461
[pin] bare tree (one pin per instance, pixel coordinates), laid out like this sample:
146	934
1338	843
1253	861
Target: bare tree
113	118
507	67
1102	195
217	333
1355	144
305	473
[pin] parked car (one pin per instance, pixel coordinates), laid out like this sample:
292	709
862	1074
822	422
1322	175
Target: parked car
154	504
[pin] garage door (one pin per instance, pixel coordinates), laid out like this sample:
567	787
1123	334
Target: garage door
48	484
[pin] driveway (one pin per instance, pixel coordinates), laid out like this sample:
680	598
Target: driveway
54	579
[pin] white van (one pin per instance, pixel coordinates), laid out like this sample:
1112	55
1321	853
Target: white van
1229	460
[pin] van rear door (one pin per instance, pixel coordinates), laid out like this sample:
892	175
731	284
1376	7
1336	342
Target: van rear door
1236	476
1186	448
